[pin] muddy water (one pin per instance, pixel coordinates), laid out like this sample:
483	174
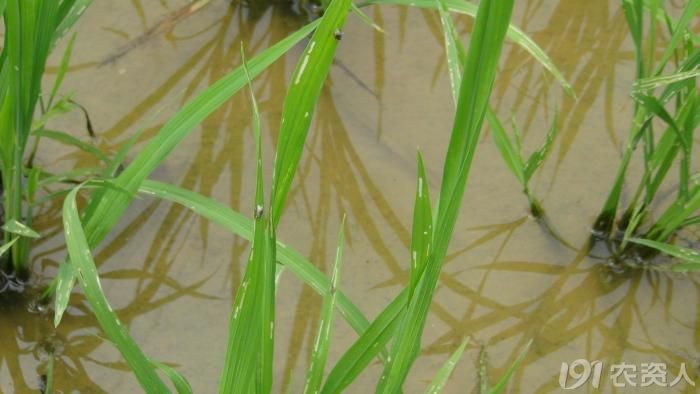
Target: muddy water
171	276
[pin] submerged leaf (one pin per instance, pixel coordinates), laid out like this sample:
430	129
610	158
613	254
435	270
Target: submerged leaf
501	385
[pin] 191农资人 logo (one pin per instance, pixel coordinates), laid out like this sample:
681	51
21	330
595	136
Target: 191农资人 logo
576	374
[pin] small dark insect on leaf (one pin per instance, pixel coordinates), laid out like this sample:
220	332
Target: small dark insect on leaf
338	34
258	211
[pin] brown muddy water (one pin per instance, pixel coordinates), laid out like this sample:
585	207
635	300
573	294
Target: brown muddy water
171	276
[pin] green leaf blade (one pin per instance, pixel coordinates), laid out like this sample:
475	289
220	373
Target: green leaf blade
514	34
79	252
102	214
322	344
300	101
691	256
248	360
422	236
13	226
490	28
443	375
508	152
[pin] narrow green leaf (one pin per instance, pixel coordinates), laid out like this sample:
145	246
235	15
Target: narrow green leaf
250	342
514	34
606	218
108	212
691	256
691	221
62	106
44	29
645	84
674	216
243	227
680	30
366	19
508	152
456	57
439	381
68	139
632	10
637	213
421	238
653	106
80	255
538	156
322	344
454	51
65	281
300	101
182	386
62	68
367	346
14	227
32	184
490	28
267	278
104	212
5	247
69	13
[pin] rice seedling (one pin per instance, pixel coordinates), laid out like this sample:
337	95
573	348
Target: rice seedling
406	315
106	205
249	356
667	99
31	32
511	151
251	334
522	168
394	337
